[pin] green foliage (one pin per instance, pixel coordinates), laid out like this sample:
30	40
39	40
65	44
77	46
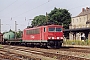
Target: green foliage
38	20
55	57
1	46
60	16
19	34
56	16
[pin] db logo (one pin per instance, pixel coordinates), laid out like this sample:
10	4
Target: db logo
32	36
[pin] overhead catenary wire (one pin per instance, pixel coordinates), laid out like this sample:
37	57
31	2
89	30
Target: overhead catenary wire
9	5
77	6
34	8
27	10
44	4
17	8
38	7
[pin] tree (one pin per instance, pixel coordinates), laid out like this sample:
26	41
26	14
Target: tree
56	16
39	20
60	16
19	34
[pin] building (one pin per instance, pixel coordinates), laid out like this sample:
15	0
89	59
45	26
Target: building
80	26
1	37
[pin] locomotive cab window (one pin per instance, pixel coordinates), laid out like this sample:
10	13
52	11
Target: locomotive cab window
44	29
58	29
51	29
55	29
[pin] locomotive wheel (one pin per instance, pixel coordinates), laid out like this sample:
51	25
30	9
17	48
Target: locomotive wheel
26	44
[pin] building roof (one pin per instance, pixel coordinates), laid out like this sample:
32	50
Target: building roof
88	22
84	11
78	29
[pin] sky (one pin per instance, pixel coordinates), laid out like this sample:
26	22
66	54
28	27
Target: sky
22	11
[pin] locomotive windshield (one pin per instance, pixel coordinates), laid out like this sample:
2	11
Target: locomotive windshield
55	29
58	29
51	29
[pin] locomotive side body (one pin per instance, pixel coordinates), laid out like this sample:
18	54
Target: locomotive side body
32	35
50	35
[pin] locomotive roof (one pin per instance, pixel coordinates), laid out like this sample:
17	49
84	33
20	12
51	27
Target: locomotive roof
42	26
54	25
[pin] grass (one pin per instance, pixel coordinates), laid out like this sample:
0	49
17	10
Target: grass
1	46
76	42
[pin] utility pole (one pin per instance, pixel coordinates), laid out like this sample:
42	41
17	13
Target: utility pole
46	17
15	28
30	21
0	25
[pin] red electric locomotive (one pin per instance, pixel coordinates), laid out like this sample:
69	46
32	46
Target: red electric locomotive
49	35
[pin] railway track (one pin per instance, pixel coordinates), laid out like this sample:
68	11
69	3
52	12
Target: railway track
10	53
52	53
7	55
76	49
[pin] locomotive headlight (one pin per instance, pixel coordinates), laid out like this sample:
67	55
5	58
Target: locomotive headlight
61	37
49	37
57	37
52	37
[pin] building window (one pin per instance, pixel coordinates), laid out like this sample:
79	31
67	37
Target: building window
84	18
77	20
83	26
80	19
73	20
